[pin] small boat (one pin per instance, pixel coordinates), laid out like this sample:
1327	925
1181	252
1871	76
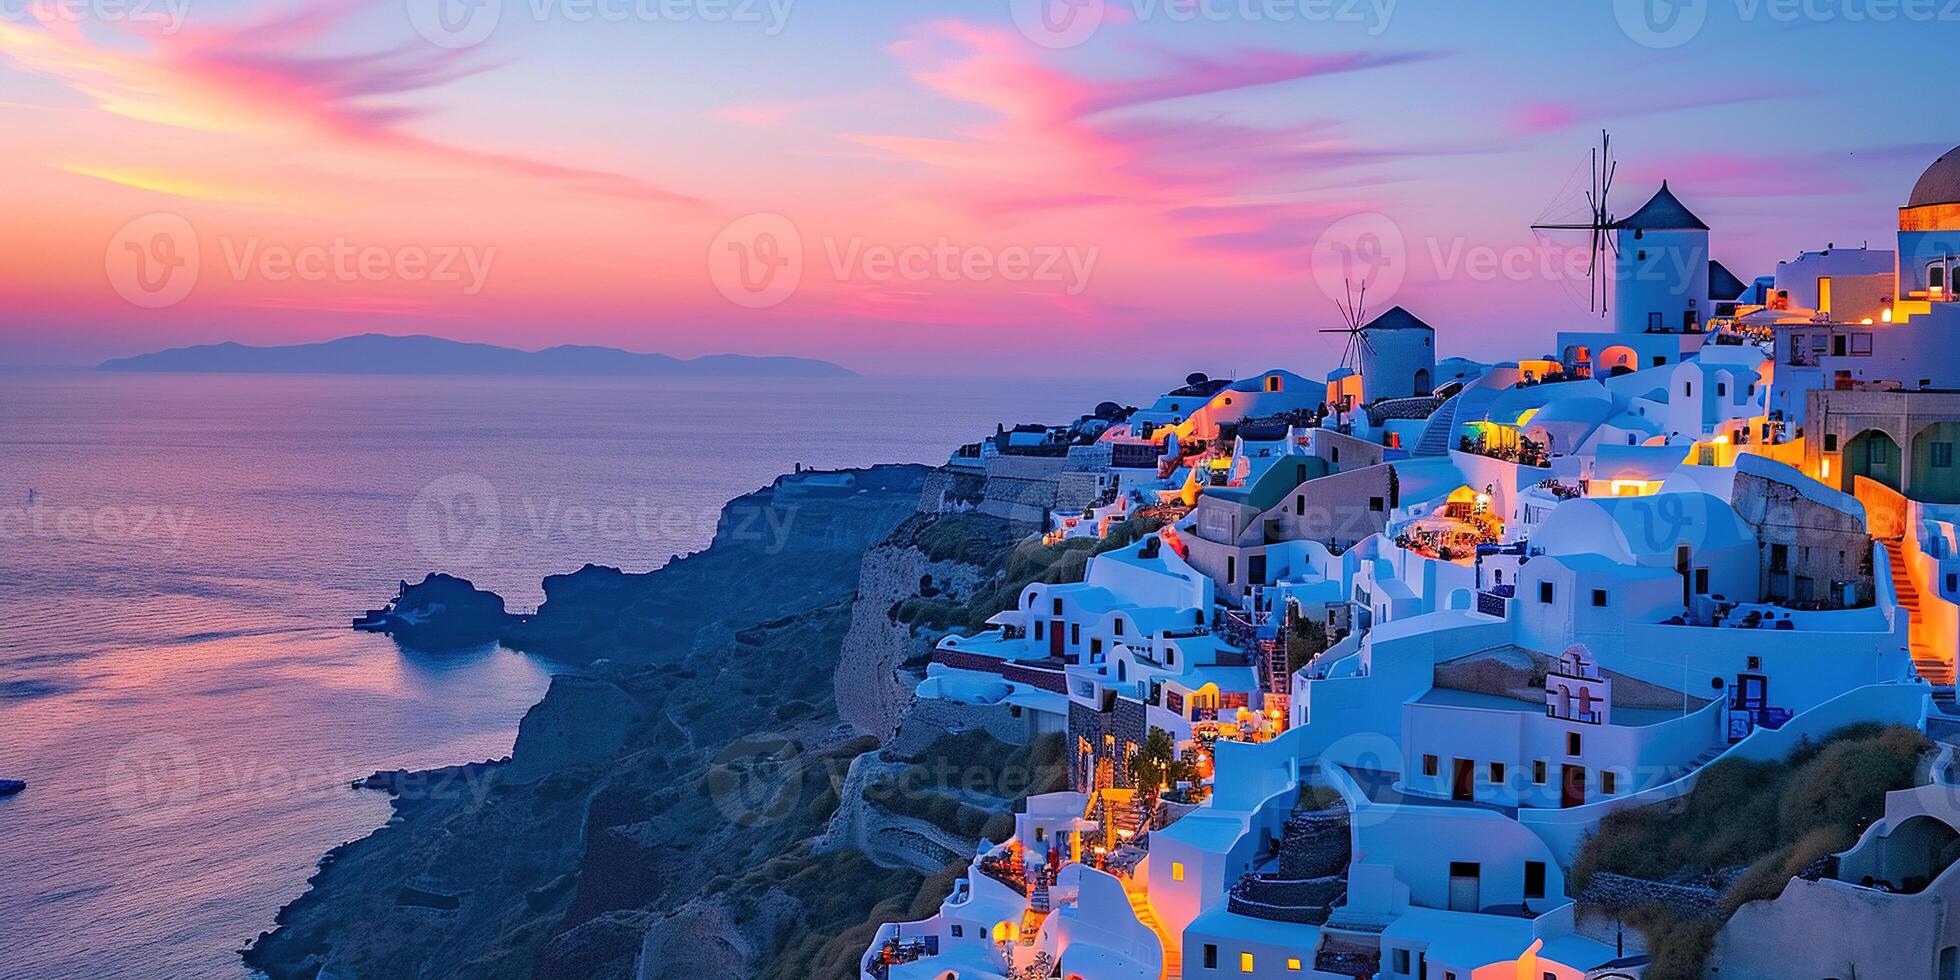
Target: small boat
9	787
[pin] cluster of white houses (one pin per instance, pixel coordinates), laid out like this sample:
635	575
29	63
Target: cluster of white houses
1416	629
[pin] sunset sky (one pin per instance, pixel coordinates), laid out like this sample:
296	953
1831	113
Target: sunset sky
1139	190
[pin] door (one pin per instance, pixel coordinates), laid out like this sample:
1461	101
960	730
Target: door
1572	786
1255	570
1463	780
1466	884
1055	639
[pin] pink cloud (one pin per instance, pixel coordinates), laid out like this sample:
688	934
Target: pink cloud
1060	141
257	79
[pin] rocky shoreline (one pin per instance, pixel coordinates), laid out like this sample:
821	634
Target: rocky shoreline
675	792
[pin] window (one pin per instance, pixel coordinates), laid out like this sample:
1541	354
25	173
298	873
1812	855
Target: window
1545	593
1861	344
1401	961
1075	634
1177	870
1943	454
958	931
1231	569
1118	626
1040	834
1608	781
1573	743
1534	879
1875	452
1657	359
1599	597
1654	322
1211	956
1830	442
1687	387
1497	772
1058	606
1538	772
1300	505
1293	964
1721	389
1245	962
1429	765
1037	629
1375	504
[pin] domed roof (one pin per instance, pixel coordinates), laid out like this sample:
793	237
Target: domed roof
1398	319
1940	184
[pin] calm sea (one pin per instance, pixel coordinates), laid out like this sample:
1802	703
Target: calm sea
180	556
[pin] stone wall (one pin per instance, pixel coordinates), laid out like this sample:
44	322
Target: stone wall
1819	543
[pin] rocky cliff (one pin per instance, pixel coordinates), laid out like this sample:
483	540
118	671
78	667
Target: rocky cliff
671	792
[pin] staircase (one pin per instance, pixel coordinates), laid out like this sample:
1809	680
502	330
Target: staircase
1140	904
1925	658
1439	436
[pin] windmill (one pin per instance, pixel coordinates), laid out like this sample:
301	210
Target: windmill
1353	311
1599	222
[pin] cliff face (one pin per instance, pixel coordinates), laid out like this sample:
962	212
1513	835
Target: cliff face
670	787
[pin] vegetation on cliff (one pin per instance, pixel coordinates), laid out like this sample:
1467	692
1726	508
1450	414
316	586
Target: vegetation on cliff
1751	825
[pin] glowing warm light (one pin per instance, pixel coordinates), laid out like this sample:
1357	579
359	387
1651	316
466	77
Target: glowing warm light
1886	314
1825	473
1866	321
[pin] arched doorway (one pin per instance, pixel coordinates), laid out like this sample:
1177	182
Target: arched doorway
1935	473
1617	360
1874	455
1422	382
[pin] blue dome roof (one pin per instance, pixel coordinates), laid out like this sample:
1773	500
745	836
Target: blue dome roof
1664	212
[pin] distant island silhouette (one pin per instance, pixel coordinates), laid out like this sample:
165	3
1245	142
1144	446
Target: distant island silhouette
374	353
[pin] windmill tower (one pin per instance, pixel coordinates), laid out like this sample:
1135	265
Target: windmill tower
1599	222
1345	386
